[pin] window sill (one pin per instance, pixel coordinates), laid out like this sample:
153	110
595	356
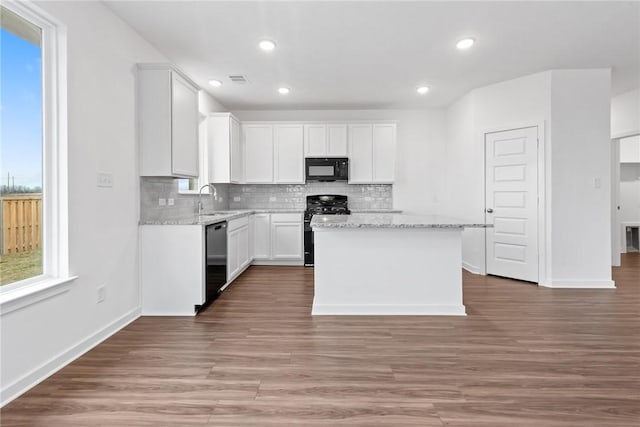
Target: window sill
24	296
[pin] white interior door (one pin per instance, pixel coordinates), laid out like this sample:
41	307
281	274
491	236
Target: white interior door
615	203
511	191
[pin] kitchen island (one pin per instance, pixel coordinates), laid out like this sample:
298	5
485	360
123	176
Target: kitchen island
388	264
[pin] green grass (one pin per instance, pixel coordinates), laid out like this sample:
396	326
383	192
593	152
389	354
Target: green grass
14	267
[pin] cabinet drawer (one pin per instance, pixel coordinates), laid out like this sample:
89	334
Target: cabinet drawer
236	223
286	217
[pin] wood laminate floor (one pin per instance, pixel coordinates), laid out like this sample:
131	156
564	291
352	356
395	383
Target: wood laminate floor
524	356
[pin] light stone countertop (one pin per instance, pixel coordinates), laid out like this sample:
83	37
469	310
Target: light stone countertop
391	220
216	216
381	211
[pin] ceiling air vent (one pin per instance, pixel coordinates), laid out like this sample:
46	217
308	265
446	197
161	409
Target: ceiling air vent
238	78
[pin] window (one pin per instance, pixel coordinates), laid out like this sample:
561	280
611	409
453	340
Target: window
34	252
21	147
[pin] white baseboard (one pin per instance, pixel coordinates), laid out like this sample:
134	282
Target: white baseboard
387	310
169	313
37	375
277	262
580	284
471	268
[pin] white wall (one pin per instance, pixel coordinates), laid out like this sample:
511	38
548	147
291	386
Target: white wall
625	113
103	240
580	155
573	108
419	184
208	104
514	103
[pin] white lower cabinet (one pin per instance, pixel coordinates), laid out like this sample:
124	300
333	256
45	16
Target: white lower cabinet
237	247
286	236
261	236
172	257
172	269
278	238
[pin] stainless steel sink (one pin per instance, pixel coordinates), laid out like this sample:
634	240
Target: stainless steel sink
217	214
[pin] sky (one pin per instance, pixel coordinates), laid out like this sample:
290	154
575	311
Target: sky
20	111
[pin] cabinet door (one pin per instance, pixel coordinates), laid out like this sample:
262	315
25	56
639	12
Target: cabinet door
289	157
360	154
315	140
337	141
286	240
236	152
261	236
384	153
252	232
184	128
243	247
233	264
258	154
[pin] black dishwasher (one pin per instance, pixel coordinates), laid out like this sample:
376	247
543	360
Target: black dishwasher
216	257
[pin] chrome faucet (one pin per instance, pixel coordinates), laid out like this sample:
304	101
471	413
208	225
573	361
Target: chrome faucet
215	196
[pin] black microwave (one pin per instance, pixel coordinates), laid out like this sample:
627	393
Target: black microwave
326	169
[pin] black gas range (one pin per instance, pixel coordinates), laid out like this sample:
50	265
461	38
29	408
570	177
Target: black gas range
321	204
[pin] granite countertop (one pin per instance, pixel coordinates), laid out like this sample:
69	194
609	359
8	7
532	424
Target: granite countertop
391	220
216	216
382	211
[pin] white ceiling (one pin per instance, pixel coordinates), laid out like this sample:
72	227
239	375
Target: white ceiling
354	54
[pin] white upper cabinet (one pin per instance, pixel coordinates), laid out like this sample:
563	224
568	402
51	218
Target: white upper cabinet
258	153
372	153
360	154
273	153
315	140
337	141
167	122
322	140
630	150
288	154
384	153
224	155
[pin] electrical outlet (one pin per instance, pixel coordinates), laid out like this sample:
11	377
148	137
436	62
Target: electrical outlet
101	293
162	202
105	180
171	202
596	183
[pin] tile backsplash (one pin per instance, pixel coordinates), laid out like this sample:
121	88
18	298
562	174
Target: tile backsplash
293	196
253	196
152	189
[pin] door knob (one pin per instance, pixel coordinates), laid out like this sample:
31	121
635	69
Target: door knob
489	210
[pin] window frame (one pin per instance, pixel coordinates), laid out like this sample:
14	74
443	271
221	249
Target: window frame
55	215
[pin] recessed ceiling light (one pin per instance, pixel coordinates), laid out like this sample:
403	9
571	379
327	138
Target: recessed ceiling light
283	90
465	43
423	89
267	45
215	83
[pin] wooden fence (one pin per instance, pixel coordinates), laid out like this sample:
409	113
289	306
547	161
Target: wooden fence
21	217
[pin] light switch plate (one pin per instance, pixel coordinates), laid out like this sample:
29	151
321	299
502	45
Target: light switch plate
272	199
237	198
105	179
162	202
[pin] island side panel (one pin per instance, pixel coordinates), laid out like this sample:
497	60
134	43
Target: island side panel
405	271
